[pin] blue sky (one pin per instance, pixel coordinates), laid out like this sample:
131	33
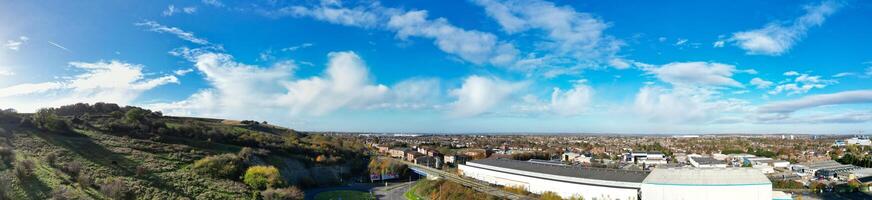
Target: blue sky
674	67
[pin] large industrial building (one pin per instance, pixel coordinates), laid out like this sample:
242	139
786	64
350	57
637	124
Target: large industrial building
598	183
706	183
567	181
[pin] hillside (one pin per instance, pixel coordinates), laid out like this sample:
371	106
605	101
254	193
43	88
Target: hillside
104	151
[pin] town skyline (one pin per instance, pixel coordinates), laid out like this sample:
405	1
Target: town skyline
478	66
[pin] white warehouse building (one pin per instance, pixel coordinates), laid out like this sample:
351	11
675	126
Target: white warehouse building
567	181
605	184
708	183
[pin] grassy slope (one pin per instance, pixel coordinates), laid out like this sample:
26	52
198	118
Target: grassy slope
167	163
104	156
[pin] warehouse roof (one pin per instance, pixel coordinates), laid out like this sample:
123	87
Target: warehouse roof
569	171
706	160
707	177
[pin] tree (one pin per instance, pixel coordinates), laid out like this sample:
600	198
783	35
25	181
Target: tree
262	177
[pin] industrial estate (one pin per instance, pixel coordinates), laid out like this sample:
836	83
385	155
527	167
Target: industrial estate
646	167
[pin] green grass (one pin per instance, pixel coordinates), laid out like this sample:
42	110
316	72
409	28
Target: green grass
410	195
344	195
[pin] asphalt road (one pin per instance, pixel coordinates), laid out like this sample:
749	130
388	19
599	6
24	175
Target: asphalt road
392	192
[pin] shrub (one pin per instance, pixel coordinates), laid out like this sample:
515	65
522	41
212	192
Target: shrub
549	195
221	166
516	189
62	193
7	154
114	188
84	180
24	168
245	154
73	168
5	185
262	177
289	193
51	159
140	171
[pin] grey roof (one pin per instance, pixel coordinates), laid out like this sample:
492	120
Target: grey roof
706	160
569	171
707	176
826	164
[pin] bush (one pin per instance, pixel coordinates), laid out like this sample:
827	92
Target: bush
140	171
73	168
51	159
516	189
62	193
5	185
220	166
84	180
262	177
549	195
24	168
114	188
289	193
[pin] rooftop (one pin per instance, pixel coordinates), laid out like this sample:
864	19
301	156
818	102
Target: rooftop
706	160
707	176
568	171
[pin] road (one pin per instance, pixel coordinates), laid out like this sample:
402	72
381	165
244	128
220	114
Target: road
478	186
392	192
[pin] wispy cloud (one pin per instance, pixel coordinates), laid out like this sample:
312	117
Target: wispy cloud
188	36
15	45
172	10
777	38
58	46
846	97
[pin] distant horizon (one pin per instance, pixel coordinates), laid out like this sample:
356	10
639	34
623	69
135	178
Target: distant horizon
469	66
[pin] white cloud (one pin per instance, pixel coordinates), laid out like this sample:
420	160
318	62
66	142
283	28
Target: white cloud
479	94
573	101
680	41
15	45
474	46
171	9
366	16
241	91
6	72
777	38
844	74
618	63
811	101
182	72
801	84
113	81
572	39
760	83
718	44
294	48
696	73
685	104
189	10
188	36
345	83
215	3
